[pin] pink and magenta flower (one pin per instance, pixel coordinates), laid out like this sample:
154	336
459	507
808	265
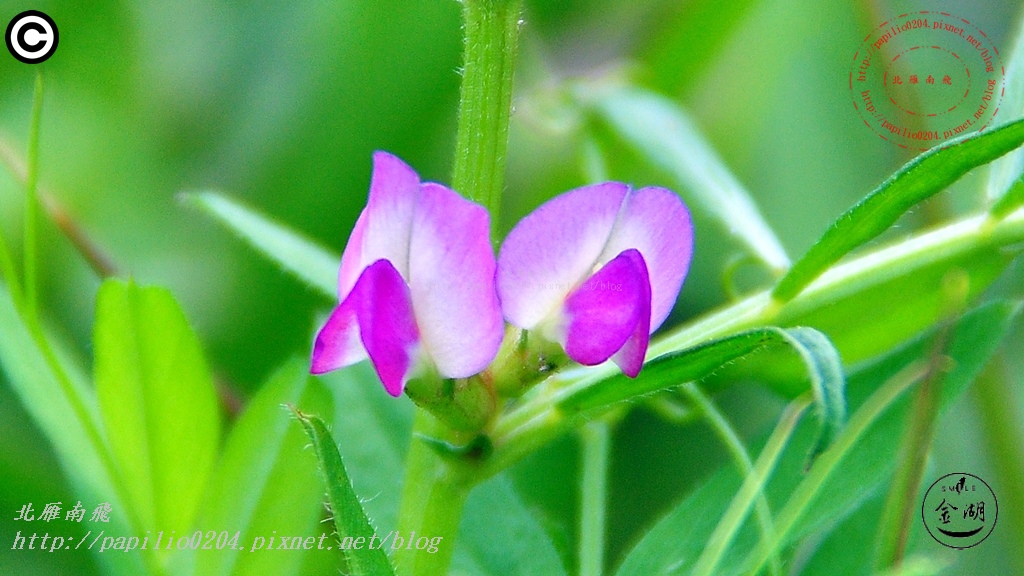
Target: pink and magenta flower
597	269
416	284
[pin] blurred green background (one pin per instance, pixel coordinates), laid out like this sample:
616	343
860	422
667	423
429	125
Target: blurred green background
281	104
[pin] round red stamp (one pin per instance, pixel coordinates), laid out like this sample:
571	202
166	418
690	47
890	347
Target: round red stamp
922	78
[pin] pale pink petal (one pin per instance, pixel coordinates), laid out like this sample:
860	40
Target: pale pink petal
338	343
451	279
610	312
383	228
553	249
656	222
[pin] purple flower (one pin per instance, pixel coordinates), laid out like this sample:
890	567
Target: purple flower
597	269
416	284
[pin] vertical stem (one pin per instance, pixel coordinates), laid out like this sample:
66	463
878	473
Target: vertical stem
593	496
492	31
902	504
32	202
435	490
433	496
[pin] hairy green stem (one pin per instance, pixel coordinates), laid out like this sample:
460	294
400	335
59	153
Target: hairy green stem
492	32
433	495
751	490
596	437
435	489
32	203
731	439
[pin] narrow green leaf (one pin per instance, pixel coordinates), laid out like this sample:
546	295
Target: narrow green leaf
265	483
52	409
666	137
827	382
677	540
349	517
1007	170
820	358
298	255
373	430
157	402
918	180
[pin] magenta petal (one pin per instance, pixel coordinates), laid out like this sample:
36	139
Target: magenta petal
386	323
656	222
451	278
553	249
610	313
338	343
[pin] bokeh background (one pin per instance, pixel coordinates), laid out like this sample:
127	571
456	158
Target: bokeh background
280	104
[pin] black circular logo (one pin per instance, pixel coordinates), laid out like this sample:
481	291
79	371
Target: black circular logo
959	510
32	37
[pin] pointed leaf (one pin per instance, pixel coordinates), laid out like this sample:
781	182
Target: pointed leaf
308	261
820	358
918	180
349	517
65	412
666	137
157	402
266	482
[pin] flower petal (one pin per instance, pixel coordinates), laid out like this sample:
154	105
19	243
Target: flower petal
656	222
610	313
387	325
384	226
338	343
552	250
451	278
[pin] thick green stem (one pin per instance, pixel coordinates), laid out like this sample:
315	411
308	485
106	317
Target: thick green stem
492	32
593	496
433	495
32	202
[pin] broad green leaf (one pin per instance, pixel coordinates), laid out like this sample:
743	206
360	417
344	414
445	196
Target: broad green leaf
157	402
266	482
820	359
349	517
65	412
666	137
918	180
498	536
677	540
309	262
